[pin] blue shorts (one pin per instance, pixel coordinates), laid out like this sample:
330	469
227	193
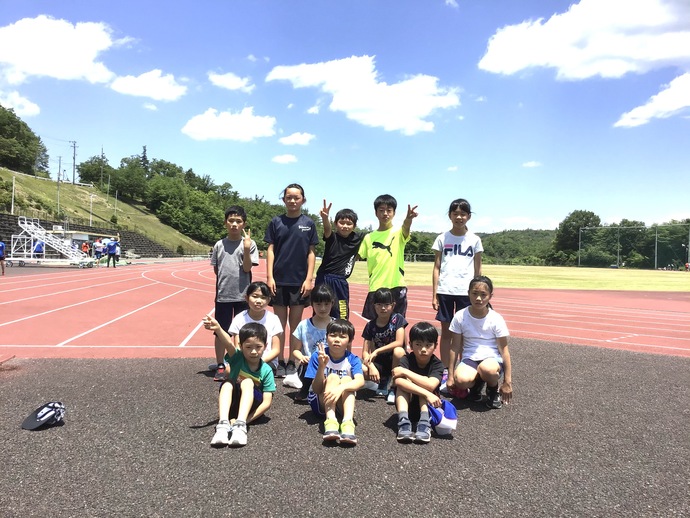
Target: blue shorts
474	364
341	289
98	255
449	305
315	404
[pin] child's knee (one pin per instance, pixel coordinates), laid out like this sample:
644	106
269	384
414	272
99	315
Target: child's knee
398	353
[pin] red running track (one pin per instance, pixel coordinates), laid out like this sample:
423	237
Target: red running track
155	311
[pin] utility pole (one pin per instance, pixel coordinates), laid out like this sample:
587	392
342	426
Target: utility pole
101	167
74	160
58	184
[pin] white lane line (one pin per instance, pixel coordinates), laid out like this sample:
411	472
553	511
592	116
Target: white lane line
90	301
118	318
198	326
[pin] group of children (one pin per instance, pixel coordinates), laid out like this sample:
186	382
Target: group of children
250	340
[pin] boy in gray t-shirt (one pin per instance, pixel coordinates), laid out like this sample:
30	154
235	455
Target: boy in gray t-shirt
232	259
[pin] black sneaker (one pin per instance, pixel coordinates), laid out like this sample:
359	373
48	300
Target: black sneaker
423	433
493	398
280	370
476	391
221	373
290	368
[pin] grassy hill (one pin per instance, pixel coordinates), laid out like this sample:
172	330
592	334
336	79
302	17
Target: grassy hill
37	198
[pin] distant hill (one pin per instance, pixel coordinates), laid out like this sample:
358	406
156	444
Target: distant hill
528	247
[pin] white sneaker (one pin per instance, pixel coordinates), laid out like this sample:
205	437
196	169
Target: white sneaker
239	434
220	438
390	399
293	381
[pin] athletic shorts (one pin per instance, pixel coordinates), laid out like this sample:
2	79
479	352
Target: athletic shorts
235	403
399	296
384	364
315	404
474	364
449	305
98	254
341	289
289	296
226	311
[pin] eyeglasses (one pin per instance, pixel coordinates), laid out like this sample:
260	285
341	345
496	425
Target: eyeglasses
383	304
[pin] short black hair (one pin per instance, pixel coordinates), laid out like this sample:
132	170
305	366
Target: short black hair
322	293
346	214
253	330
261	286
385	199
235	210
424	332
383	296
341	326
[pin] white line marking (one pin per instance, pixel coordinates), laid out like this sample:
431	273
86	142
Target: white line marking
118	318
198	326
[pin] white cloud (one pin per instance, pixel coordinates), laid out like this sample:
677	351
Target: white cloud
151	84
284	159
481	99
532	163
231	82
314	110
243	126
297	139
22	106
355	89
252	58
290	106
46	47
452	169
671	100
606	38
150	106
451	3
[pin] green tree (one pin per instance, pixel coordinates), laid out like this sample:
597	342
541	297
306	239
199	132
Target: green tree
20	148
567	240
95	170
132	178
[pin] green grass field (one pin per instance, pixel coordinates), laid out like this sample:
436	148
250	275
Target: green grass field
419	274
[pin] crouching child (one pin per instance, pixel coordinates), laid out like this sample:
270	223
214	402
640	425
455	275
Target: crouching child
417	381
248	392
335	375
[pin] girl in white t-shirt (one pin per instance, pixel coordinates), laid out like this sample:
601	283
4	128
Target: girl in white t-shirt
458	259
480	337
258	296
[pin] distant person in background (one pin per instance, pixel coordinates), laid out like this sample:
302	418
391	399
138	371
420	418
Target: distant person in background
98	251
38	249
85	247
118	251
112	251
2	255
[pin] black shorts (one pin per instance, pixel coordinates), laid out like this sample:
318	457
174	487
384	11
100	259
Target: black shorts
399	296
226	311
235	403
449	305
289	296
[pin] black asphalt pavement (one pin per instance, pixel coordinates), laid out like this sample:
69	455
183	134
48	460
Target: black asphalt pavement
591	432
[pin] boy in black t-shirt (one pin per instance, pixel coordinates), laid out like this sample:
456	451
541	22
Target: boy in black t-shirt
339	257
417	380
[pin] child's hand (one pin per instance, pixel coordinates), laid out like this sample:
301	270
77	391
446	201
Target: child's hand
434	401
434	303
247	235
326	210
307	286
506	392
210	323
412	212
323	357
374	374
398	372
331	397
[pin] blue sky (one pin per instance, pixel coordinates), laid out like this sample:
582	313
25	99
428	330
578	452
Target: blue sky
529	109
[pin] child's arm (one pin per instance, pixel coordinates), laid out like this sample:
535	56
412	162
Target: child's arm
309	281
319	382
425	383
327	229
407	224
275	349
212	324
270	259
261	409
296	350
477	264
247	254
506	389
456	342
434	277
